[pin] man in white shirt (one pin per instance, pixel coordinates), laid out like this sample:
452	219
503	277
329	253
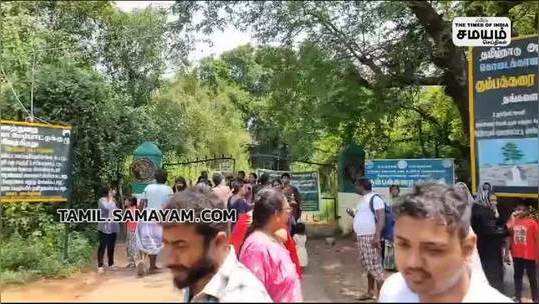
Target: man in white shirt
151	234
368	224
433	251
200	258
159	193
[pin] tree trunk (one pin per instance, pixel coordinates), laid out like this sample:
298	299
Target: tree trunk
421	139
446	56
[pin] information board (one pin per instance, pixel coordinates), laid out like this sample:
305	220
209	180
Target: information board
408	172
307	184
504	116
35	162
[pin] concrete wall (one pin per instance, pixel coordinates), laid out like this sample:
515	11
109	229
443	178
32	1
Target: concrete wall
346	200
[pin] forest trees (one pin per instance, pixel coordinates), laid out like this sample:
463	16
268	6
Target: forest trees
306	101
384	48
389	43
100	70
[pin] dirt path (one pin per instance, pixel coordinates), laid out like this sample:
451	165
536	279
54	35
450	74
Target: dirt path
334	275
115	286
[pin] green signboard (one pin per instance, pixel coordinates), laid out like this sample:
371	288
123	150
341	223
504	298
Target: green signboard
307	183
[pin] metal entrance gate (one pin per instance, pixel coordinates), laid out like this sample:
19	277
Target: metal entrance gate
191	169
327	172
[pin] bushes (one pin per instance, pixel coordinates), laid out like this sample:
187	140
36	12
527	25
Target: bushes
32	245
25	259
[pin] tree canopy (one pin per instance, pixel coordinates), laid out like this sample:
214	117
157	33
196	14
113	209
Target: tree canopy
389	43
382	74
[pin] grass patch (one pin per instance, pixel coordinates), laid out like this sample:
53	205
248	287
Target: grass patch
40	256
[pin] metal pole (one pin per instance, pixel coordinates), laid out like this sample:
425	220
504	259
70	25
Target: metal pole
66	236
32	90
69	202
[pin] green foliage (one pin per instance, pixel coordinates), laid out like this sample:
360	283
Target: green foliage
210	123
523	14
133	52
24	218
382	44
312	104
97	69
290	98
35	257
32	245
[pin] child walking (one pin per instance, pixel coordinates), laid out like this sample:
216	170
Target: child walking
132	250
300	238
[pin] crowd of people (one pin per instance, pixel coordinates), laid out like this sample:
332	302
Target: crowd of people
494	242
445	244
268	239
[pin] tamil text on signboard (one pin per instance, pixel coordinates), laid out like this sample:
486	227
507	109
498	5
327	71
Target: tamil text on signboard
407	172
505	116
35	162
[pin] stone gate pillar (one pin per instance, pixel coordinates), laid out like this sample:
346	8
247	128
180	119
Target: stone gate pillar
351	165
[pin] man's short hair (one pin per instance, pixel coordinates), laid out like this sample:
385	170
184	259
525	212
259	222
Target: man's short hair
217	178
194	199
287	175
525	205
105	188
395	186
364	182
432	200
202	187
236	186
264	178
161	176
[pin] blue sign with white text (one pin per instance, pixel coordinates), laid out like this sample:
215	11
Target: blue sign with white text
407	172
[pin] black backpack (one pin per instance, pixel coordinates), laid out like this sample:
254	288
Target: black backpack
389	225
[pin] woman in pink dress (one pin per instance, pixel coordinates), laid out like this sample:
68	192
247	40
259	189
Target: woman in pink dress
265	254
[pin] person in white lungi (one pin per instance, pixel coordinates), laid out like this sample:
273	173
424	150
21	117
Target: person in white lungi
149	235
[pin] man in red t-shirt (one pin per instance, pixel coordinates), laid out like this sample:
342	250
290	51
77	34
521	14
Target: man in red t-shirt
524	249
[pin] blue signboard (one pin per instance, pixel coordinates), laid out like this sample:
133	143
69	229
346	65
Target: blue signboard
407	172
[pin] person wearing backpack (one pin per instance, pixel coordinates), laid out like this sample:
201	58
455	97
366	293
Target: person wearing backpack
370	227
388	252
